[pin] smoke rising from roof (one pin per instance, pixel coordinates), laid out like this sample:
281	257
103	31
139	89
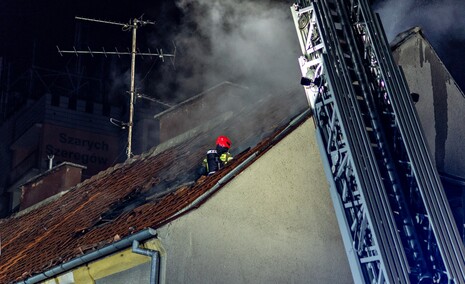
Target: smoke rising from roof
252	43
439	19
442	22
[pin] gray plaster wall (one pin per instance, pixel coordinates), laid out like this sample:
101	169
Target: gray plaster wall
273	223
441	107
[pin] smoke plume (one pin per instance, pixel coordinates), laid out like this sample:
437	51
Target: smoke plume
252	43
442	22
439	19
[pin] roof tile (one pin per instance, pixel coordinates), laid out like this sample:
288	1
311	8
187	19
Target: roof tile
115	203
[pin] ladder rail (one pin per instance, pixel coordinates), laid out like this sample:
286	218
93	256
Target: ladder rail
393	214
429	183
387	236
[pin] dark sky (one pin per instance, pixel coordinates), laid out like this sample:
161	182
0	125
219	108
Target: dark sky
249	42
51	22
31	30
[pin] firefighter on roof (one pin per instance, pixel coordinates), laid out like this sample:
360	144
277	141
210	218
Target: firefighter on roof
217	158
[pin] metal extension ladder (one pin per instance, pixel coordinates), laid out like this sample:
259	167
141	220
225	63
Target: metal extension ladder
394	217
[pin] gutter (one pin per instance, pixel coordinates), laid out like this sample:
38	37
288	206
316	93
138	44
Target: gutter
83	259
155	260
300	118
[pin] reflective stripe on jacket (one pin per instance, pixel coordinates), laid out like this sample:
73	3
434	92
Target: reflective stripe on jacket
215	166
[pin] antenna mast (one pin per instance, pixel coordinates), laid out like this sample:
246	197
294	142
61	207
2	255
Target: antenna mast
133	25
132	89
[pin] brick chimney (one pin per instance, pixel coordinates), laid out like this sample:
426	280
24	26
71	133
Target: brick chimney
49	183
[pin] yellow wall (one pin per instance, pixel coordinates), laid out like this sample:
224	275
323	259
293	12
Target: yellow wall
106	266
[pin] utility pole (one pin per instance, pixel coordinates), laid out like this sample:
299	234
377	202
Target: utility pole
133	25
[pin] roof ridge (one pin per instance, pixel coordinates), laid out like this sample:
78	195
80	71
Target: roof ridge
199	95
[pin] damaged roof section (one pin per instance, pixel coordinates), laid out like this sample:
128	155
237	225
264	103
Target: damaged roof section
146	191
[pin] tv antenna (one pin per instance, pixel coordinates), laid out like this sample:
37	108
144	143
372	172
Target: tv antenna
131	25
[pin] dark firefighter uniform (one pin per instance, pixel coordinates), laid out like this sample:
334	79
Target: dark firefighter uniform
216	159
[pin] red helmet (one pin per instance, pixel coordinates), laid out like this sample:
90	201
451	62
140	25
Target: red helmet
223	141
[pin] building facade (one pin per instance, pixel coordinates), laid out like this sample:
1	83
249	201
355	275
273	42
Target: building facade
267	217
